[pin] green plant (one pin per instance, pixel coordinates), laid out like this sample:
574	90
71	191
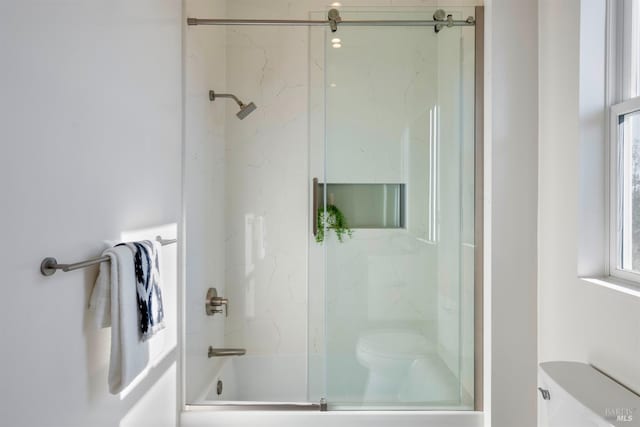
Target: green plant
332	218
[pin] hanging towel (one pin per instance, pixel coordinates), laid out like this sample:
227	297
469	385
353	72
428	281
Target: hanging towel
149	294
116	301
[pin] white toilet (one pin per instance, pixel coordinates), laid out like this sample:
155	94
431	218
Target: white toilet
574	394
388	354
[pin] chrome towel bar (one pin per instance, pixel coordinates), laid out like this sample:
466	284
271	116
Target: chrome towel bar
221	352
49	265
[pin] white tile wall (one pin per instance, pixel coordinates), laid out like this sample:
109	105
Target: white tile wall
204	188
266	191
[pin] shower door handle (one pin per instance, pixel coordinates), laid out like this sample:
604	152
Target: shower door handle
315	206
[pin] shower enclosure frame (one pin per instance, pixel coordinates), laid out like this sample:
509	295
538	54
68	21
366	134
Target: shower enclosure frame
479	207
478	291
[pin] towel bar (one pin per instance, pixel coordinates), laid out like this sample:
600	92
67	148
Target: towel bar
49	265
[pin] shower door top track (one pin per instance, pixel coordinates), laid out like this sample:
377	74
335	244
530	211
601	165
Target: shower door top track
469	22
440	20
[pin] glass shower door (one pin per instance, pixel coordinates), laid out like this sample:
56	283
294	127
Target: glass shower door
399	179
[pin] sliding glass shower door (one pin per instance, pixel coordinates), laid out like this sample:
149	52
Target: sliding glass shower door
397	204
341	212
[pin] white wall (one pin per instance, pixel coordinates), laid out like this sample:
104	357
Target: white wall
91	135
577	320
511	203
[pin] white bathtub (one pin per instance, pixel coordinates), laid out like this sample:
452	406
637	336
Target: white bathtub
247	381
270	378
205	418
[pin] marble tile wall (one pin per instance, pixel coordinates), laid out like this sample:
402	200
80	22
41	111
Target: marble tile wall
204	188
266	191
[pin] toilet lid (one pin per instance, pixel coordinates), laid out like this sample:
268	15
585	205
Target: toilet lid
395	343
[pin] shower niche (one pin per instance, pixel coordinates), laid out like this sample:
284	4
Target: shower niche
383	116
366	205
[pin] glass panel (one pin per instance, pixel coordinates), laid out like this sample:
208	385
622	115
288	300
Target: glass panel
399	302
627	38
634	51
630	190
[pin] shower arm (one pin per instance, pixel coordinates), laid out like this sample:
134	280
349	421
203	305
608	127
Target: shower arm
213	96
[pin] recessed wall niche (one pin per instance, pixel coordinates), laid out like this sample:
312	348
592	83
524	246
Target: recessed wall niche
367	205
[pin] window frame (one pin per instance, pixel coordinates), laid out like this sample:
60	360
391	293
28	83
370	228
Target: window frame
623	49
615	223
621	53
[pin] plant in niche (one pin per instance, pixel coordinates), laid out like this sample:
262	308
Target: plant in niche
332	219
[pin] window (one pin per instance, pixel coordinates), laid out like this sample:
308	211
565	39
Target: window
624	97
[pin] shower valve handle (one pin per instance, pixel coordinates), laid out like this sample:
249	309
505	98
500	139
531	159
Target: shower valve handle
213	303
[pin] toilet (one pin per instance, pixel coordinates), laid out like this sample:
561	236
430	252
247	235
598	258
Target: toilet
388	354
574	394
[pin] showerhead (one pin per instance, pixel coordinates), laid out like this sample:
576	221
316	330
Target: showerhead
245	109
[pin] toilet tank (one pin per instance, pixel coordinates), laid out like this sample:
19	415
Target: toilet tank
574	394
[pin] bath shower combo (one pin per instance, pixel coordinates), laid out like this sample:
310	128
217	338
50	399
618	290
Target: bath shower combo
390	319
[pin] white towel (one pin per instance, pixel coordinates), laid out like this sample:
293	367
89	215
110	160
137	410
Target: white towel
114	302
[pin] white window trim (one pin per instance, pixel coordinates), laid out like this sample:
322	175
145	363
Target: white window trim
622	58
619	84
615	226
599	93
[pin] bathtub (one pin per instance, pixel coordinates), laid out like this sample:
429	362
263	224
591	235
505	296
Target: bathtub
202	417
260	378
246	381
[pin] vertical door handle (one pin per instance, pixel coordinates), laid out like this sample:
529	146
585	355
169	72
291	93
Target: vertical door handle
315	206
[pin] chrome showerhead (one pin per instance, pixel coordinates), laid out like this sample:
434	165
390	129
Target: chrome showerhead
245	109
